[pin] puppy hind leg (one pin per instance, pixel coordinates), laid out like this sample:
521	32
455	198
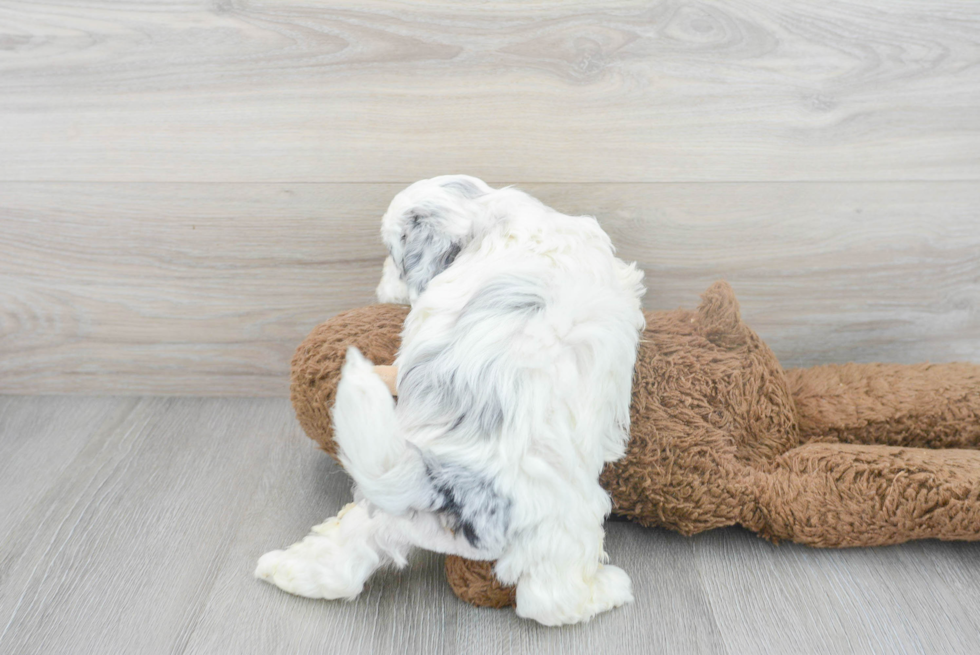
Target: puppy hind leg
427	531
336	558
563	579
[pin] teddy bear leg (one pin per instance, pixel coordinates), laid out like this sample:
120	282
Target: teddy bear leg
335	559
842	495
920	405
561	577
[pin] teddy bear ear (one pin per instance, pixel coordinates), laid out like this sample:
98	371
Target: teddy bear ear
719	319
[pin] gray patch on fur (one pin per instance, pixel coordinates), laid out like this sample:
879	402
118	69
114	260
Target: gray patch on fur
427	251
469	503
449	400
506	294
434	391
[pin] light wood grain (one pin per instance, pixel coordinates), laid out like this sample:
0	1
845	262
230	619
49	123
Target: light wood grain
207	289
824	272
547	91
146	541
45	434
860	600
122	552
179	289
187	188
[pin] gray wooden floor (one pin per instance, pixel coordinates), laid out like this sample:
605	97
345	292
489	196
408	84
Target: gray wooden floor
132	525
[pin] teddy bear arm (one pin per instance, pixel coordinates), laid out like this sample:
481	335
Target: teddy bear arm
923	405
840	495
374	330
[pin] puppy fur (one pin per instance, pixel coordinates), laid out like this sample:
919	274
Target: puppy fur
514	380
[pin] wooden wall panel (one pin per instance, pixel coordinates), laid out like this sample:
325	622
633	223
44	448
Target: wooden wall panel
186	188
622	91
207	288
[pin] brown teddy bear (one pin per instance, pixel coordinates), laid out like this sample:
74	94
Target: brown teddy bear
831	456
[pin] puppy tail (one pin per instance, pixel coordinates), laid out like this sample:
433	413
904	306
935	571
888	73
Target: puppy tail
388	470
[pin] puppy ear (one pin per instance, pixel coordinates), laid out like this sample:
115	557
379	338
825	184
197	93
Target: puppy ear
428	250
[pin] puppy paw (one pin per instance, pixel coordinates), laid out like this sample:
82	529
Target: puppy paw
567	599
612	588
269	564
326	564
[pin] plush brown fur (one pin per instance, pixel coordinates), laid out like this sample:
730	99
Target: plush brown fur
832	456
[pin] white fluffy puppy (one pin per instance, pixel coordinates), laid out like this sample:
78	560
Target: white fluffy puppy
514	380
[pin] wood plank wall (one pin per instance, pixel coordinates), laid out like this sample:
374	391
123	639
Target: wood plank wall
188	187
